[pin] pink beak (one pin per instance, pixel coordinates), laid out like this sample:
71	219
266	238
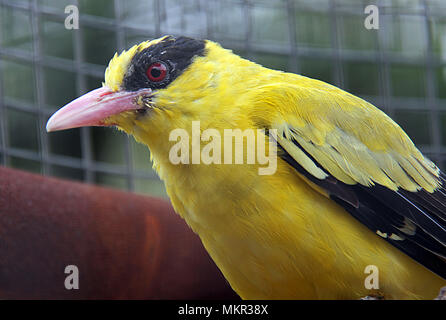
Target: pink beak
94	107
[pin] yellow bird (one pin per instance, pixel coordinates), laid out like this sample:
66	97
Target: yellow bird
350	190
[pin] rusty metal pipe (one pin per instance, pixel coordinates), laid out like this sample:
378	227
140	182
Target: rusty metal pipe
126	246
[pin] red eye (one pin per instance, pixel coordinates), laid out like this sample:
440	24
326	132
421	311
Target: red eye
156	72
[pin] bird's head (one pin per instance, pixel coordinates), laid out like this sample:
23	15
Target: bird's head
160	85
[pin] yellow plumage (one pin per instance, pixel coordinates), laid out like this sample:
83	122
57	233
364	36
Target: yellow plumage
281	235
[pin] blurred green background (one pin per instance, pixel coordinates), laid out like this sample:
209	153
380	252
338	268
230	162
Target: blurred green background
401	68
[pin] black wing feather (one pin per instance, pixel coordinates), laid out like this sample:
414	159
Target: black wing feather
417	219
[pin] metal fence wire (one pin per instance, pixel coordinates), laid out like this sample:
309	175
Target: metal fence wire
400	68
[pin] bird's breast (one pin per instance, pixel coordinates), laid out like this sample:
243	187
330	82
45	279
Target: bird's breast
276	237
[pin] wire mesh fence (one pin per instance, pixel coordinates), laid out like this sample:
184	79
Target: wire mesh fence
400	68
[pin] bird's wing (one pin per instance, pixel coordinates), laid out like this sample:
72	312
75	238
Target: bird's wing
363	161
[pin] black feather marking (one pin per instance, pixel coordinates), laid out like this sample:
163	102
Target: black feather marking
427	200
176	53
426	221
387	211
330	184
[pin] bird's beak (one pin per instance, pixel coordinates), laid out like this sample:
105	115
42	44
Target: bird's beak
94	107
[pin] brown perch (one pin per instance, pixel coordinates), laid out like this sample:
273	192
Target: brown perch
126	246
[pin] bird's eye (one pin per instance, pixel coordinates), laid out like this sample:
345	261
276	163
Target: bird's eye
156	72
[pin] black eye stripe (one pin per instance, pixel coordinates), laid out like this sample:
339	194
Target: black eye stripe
176	53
